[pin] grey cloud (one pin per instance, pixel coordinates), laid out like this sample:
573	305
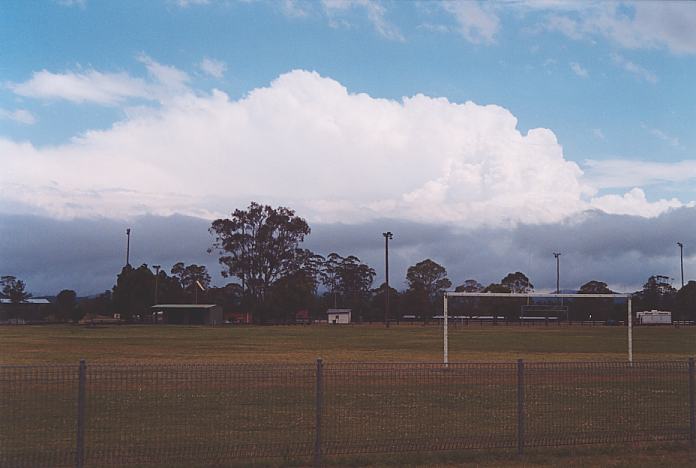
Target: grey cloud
87	254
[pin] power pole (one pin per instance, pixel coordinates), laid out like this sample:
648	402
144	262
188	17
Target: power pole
558	272
387	237
681	260
128	247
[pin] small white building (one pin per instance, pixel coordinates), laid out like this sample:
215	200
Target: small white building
338	316
654	317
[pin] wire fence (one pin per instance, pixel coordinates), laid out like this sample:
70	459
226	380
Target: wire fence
198	415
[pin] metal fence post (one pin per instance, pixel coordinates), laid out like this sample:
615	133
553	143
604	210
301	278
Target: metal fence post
80	450
319	401
692	403
520	406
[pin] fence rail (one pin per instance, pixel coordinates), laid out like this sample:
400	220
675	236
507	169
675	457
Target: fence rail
209	414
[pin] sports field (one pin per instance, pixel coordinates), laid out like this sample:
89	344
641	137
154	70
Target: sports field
414	403
359	343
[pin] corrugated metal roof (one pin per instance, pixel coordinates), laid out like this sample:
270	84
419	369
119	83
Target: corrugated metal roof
339	311
27	301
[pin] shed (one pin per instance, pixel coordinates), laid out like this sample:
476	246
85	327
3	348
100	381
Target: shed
188	314
338	316
29	310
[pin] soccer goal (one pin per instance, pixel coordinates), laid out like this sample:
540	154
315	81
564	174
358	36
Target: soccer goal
527	306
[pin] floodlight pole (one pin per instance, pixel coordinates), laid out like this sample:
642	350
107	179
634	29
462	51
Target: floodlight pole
630	331
128	247
444	330
157	270
558	272
387	236
681	260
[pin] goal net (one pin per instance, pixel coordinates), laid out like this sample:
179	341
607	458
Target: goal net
536	307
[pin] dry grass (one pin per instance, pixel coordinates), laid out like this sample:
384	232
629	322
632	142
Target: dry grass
159	344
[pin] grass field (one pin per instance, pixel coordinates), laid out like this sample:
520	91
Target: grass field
360	343
126	404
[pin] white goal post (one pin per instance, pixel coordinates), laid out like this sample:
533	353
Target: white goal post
448	294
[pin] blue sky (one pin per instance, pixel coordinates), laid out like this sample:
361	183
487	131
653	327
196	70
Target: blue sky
477	115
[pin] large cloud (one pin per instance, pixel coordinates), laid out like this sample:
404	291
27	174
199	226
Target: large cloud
303	141
87	254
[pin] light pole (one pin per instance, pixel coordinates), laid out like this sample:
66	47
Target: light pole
157	269
558	272
387	237
128	247
681	260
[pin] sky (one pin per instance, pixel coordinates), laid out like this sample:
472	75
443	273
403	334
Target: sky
484	135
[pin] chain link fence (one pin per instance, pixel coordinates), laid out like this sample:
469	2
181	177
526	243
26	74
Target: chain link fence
198	415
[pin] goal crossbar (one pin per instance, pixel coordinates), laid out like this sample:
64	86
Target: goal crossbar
448	294
563	295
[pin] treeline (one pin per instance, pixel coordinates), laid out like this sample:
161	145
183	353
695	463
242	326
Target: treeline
273	277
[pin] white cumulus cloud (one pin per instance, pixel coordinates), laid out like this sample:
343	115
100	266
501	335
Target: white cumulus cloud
634	202
307	142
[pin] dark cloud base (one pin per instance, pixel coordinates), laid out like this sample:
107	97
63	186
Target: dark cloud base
87	254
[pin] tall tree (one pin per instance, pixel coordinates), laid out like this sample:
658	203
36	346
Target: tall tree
133	293
685	302
354	284
657	293
517	282
190	277
329	275
427	280
259	246
66	303
13	289
296	290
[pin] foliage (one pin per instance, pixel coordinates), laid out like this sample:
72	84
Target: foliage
259	246
295	291
348	282
596	308
99	305
657	293
496	307
377	302
13	289
470	285
685	302
496	288
169	290
189	277
427	280
517	282
329	275
66	303
595	287
134	291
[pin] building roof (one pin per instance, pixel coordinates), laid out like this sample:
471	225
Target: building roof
27	301
183	306
339	311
